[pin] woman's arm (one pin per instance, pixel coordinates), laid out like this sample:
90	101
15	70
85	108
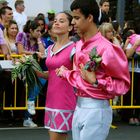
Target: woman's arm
21	50
42	74
128	51
41	46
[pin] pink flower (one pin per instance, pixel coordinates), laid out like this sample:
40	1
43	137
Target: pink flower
94	62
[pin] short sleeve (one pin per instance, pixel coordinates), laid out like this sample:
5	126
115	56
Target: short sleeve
20	38
2	40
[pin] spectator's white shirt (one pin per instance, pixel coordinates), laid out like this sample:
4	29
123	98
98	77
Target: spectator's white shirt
21	19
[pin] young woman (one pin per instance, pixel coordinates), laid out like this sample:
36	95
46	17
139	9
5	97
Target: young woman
29	42
10	34
107	31
132	50
60	100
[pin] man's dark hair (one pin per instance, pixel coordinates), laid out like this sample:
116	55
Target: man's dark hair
87	7
102	2
3	10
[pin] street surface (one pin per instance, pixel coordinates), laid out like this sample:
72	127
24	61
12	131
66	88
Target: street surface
123	131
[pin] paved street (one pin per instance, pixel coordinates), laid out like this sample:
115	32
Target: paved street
123	132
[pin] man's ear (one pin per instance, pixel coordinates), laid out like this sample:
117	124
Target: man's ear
90	18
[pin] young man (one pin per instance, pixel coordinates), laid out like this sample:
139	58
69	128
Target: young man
3	3
104	11
93	114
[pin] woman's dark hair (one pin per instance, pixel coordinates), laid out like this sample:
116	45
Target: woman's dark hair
30	25
115	25
129	33
12	22
86	7
126	33
40	18
130	24
41	15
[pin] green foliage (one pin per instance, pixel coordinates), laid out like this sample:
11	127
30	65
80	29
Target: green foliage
25	69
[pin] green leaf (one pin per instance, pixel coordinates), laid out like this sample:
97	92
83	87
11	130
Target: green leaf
93	53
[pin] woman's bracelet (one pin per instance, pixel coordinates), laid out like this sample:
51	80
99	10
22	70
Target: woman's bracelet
39	42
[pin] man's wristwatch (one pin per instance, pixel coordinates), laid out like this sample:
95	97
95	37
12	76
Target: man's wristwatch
95	84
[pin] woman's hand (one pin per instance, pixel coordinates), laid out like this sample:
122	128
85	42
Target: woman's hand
59	71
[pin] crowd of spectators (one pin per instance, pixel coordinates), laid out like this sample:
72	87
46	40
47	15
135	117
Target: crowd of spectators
20	35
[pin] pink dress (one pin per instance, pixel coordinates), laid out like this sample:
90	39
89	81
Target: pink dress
133	39
60	99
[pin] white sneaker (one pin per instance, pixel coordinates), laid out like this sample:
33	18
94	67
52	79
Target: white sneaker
29	123
31	107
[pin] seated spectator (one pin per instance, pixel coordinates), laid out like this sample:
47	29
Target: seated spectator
10	34
29	42
107	31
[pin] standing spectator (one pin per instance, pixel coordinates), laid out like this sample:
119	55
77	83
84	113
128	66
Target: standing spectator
19	15
3	3
50	17
41	21
6	15
94	88
60	100
41	15
132	50
104	11
46	34
118	32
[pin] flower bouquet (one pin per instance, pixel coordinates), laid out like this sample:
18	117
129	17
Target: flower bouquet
94	62
24	69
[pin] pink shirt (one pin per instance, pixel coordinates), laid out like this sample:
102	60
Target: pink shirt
133	38
112	75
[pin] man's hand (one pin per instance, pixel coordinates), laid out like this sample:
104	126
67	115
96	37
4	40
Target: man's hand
88	76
